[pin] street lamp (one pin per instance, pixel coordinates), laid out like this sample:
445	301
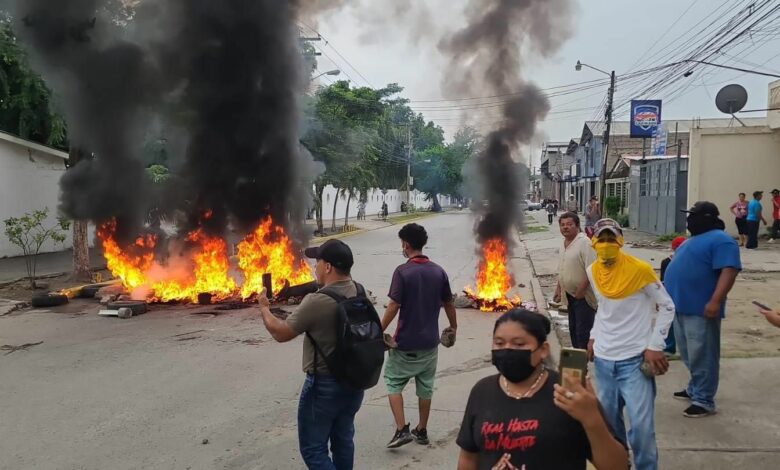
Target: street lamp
329	72
608	114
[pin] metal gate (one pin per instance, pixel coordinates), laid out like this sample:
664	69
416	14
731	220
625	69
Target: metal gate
658	202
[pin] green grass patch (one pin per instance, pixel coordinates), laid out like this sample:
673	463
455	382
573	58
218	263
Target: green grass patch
408	217
669	237
536	229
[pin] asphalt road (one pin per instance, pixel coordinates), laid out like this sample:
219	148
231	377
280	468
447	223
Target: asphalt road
148	392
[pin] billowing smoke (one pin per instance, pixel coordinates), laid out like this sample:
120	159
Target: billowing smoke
225	76
486	58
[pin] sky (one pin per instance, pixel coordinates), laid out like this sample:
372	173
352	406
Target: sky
372	47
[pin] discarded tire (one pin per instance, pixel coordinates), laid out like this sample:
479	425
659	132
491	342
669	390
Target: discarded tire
88	292
124	312
138	307
48	300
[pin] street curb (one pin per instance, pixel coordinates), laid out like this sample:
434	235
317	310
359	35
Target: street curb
541	305
339	236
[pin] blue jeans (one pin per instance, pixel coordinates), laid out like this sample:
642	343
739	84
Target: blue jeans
621	384
671	343
326	412
698	340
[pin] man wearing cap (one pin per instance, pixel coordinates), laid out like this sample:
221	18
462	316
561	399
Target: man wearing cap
699	278
326	410
626	345
419	290
775	215
754	216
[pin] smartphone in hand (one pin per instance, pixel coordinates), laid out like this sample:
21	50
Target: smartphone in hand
760	305
574	363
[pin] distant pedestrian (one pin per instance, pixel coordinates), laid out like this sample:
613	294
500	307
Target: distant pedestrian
754	216
671	345
384	210
740	211
327	408
592	215
571	204
550	212
699	278
576	255
419	290
628	339
775	215
521	418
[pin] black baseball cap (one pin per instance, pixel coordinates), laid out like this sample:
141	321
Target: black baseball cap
705	208
335	252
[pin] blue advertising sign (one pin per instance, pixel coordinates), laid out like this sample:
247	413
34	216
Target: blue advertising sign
645	117
660	138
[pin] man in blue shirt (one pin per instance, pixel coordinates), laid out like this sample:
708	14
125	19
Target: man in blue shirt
698	279
754	215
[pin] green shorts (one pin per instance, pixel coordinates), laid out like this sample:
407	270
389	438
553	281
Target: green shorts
404	365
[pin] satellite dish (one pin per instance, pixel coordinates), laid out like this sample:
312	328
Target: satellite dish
731	99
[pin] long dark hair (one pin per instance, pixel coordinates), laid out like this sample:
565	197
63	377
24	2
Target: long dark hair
536	324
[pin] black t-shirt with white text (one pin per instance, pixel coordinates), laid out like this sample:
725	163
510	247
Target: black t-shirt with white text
538	434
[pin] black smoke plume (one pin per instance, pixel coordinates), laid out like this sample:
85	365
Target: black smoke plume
485	57
225	75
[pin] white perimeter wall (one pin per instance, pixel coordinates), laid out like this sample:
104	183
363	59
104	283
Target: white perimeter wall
29	180
393	197
727	161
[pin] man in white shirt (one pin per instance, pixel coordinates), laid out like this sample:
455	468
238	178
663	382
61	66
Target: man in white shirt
626	343
576	255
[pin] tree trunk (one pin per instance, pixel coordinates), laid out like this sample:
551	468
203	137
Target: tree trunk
335	203
81	266
320	189
436	207
346	213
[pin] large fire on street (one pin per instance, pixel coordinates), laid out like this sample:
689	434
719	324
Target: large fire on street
202	265
494	281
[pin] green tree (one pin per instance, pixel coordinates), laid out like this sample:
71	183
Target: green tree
26	103
29	233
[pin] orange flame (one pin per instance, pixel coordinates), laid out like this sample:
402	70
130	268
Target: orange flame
209	272
269	250
494	279
131	268
205	264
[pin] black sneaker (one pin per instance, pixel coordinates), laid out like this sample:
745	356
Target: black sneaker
696	411
400	438
420	436
682	395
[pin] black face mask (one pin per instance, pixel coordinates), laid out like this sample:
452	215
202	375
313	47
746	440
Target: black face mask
514	364
702	224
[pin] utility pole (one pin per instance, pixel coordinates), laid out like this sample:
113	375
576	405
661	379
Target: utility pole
409	172
610	102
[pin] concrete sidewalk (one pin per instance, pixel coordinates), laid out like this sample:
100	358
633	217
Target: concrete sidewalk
746	431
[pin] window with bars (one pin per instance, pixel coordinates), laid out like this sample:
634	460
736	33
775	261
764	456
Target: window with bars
643	181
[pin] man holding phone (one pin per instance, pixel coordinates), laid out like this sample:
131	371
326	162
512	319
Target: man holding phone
699	278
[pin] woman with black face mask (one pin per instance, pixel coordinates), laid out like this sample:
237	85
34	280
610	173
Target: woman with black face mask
522	419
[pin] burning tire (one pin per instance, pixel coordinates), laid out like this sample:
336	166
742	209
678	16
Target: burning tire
88	292
48	300
138	307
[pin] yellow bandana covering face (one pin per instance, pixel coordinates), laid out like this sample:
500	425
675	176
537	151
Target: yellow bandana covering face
623	277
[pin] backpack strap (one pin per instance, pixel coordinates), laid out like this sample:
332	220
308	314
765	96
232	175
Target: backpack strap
330	292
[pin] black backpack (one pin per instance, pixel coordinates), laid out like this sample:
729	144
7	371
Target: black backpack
360	347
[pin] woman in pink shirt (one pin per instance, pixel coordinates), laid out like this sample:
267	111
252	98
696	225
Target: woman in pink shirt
739	209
